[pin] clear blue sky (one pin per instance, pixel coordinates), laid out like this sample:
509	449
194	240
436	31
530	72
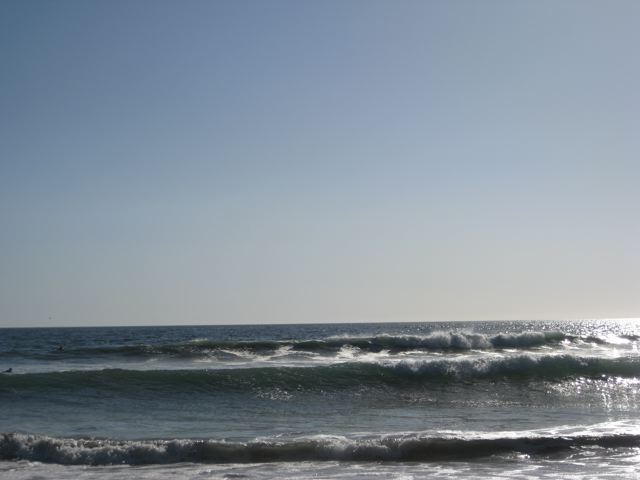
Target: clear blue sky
192	162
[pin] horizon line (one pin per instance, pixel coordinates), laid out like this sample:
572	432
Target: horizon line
578	319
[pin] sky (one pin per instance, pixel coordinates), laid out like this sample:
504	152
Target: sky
246	161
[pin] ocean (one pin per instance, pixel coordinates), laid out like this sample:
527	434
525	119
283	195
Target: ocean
349	401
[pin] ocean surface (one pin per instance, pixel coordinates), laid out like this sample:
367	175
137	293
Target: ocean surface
411	400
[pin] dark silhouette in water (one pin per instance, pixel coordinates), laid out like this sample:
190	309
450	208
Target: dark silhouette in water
8	370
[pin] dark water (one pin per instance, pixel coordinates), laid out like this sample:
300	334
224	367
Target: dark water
527	399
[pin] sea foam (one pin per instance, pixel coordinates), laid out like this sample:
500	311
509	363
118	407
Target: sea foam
420	447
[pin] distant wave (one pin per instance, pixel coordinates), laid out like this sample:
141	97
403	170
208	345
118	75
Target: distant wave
438	341
397	374
401	447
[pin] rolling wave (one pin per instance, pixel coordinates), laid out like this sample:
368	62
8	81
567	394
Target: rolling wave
398	374
415	447
438	341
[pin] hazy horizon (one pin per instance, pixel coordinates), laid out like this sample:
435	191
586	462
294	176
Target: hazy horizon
196	163
351	322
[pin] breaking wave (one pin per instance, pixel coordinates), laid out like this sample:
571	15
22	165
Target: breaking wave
398	374
438	341
414	447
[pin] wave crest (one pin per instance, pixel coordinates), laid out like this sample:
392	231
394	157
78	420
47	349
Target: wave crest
396	374
226	350
401	447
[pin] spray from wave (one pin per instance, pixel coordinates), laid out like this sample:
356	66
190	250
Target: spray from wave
225	350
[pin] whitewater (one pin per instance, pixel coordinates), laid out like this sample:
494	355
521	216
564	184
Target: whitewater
401	400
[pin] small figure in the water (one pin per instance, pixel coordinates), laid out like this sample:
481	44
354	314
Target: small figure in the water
60	348
8	370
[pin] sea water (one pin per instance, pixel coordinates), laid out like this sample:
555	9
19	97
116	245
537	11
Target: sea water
410	400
